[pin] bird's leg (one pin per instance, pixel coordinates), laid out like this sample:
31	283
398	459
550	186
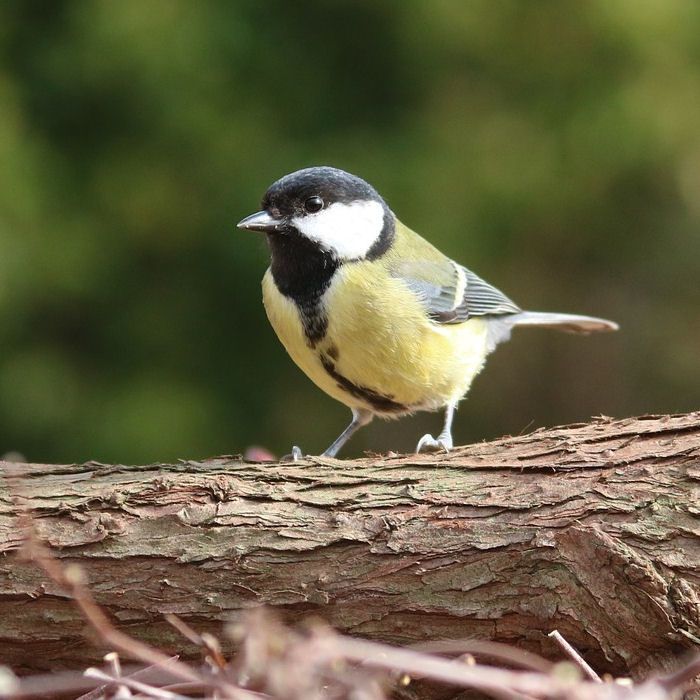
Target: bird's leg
360	417
294	456
444	441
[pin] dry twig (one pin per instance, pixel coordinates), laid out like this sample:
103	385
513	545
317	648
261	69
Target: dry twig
575	656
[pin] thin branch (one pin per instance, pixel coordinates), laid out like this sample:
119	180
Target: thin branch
493	681
136	685
482	647
211	649
575	656
681	676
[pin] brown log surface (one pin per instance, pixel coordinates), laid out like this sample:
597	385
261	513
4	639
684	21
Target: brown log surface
592	529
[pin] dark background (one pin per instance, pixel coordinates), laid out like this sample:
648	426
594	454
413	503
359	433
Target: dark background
551	146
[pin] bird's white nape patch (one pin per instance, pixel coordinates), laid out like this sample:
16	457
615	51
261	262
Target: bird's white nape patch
348	230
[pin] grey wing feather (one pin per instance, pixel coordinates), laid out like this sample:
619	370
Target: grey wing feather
482	299
460	295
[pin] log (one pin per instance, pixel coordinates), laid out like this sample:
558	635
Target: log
592	529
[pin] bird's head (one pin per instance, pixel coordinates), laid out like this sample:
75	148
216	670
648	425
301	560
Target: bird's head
337	212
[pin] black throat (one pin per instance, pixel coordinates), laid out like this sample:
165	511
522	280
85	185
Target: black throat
303	272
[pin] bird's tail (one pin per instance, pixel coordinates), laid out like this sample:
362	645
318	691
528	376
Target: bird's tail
500	327
570	323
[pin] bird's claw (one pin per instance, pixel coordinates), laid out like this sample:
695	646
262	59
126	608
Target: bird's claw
294	456
429	444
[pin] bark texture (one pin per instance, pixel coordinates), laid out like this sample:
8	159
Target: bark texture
591	529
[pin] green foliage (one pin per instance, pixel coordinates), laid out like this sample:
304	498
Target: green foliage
552	146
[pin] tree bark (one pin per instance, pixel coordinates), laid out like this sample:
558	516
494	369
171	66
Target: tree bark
591	529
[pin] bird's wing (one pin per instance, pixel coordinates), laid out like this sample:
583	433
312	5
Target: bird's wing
452	293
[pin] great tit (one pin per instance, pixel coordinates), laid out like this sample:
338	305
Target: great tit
376	316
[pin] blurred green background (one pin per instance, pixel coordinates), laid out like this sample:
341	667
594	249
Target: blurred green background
551	146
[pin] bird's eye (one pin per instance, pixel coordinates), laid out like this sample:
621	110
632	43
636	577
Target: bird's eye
313	204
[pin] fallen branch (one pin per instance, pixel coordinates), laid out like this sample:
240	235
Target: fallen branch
592	530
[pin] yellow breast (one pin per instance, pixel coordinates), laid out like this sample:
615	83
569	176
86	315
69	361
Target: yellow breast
380	345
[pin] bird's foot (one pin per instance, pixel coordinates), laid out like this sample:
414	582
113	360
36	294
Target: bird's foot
294	456
429	444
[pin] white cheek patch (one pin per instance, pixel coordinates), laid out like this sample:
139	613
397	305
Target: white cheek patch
348	230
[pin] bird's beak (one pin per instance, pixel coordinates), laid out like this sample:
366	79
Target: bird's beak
261	221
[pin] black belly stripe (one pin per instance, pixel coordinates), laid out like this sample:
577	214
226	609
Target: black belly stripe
315	323
383	403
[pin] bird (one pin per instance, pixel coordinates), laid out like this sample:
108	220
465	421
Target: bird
374	314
